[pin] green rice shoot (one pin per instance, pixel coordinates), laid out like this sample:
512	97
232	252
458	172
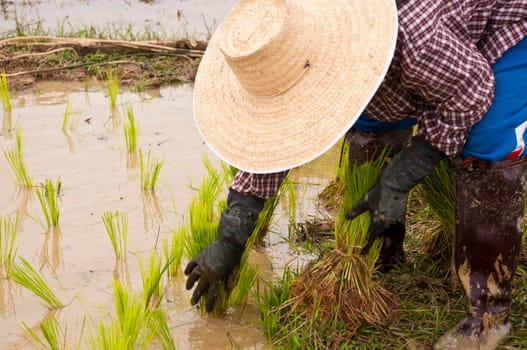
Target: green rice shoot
173	251
437	191
112	86
336	294
52	336
150	169
116	225
69	119
204	212
48	197
127	330
25	275
151	276
131	131
14	157
159	327
8	233
4	92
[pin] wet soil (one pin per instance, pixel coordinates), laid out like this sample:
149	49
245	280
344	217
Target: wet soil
140	65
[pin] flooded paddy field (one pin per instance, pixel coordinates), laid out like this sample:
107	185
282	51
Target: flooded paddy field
96	176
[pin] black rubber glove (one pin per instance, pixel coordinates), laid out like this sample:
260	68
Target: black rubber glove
387	199
216	262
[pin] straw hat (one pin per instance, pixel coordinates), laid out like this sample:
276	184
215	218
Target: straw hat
282	81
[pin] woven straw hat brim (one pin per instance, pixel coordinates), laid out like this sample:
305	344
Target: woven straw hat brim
352	43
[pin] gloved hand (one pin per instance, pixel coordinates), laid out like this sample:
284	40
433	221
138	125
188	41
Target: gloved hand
387	199
217	261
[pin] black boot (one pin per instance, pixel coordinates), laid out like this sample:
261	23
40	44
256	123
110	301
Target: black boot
490	206
365	146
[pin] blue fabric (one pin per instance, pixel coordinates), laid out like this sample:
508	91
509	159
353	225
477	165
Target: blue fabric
501	133
367	124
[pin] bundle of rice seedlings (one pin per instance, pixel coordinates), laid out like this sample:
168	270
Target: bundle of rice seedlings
204	212
112	86
437	193
340	285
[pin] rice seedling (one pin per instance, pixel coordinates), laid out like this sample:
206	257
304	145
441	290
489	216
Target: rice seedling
116	225
8	233
4	92
130	312
335	294
25	275
173	251
127	330
204	211
112	86
131	131
52	338
437	192
149	171
14	157
159	327
48	196
69	119
151	276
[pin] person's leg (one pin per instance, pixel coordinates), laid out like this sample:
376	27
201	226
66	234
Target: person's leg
490	183
365	142
490	206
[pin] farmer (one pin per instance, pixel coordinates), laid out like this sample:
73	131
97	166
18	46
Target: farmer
282	81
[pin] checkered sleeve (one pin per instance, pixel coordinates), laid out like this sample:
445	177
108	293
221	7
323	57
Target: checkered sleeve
259	185
450	75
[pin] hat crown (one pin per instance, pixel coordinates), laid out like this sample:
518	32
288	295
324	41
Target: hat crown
258	39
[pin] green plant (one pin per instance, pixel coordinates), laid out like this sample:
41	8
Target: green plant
112	86
52	334
69	123
116	225
4	92
159	327
151	276
48	196
437	191
8	233
15	159
173	251
25	275
149	171
336	294
131	131
127	330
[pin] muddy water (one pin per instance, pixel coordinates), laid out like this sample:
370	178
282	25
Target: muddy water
78	261
189	18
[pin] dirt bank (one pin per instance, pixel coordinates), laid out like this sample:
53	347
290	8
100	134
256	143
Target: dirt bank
141	65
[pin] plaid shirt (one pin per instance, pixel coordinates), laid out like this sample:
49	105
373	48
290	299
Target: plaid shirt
440	73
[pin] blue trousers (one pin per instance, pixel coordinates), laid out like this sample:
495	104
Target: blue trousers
501	134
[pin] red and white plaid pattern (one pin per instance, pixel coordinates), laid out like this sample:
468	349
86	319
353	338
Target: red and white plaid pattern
440	74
